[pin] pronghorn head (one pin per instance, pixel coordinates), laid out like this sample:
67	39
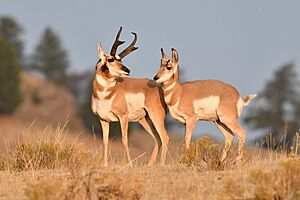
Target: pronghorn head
113	62
168	68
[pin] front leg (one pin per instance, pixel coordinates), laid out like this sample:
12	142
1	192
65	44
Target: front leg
189	127
105	134
124	129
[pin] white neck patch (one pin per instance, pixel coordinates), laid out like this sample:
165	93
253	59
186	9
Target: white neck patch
170	86
103	82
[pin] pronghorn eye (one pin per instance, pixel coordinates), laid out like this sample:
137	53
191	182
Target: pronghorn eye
110	60
169	68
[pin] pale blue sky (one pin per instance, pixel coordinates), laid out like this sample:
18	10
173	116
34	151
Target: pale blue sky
240	42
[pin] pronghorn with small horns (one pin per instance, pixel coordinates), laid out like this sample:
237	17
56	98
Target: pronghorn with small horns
209	100
118	98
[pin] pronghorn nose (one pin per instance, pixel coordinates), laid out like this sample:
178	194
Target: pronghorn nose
125	69
155	78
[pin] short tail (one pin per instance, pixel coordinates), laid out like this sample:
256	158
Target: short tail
248	98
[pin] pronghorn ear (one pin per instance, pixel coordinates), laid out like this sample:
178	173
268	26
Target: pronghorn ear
101	52
163	55
174	55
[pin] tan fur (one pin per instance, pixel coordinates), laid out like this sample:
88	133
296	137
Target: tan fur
210	100
132	102
127	100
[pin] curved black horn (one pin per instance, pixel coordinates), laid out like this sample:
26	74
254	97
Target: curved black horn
130	48
117	43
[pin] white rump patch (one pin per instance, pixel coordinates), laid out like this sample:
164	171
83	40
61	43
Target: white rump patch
205	108
240	105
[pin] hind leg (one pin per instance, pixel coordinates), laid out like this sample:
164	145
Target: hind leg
158	120
233	125
228	138
157	145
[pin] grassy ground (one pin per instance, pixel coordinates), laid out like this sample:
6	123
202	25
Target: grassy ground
59	165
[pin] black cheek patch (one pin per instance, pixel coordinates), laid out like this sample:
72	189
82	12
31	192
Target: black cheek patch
104	68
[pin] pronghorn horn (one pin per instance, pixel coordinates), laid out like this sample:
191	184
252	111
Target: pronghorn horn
130	48
117	43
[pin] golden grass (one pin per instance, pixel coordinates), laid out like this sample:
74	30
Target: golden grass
87	184
49	150
283	182
59	165
205	153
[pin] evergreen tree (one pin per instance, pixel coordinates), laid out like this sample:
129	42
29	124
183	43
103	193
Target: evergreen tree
274	110
50	58
11	30
10	95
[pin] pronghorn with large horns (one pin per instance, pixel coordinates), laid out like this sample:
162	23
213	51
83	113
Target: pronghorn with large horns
118	98
209	100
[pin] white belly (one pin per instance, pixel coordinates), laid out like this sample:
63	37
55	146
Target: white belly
206	108
135	106
104	110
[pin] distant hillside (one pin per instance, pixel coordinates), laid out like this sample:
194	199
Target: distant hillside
43	102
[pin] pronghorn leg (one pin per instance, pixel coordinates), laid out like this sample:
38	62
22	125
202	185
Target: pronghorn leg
157	145
159	124
124	130
228	138
233	125
105	133
189	127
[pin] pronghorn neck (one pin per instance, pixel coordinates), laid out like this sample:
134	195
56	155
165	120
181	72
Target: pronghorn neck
171	88
105	82
103	86
170	84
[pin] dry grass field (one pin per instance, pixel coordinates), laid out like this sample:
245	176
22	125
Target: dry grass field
57	164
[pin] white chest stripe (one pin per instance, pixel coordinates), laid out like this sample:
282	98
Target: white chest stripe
104	109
